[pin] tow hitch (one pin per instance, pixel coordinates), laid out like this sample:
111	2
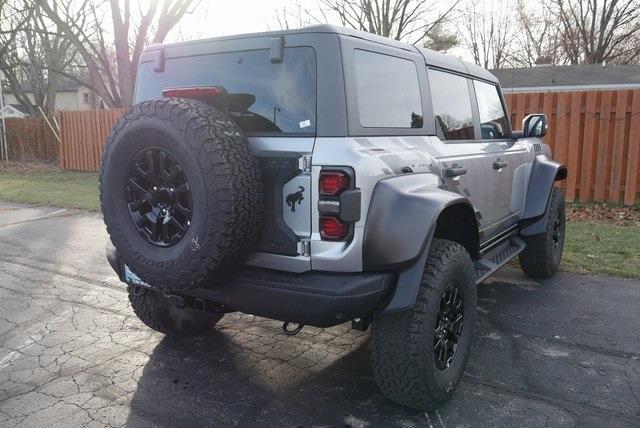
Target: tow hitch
291	332
193	303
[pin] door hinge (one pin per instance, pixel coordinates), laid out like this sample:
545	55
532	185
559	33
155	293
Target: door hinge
305	248
305	163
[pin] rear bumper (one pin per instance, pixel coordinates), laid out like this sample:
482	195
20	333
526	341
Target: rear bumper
311	298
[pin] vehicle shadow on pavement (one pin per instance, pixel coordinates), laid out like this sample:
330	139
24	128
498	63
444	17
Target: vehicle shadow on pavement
221	379
529	365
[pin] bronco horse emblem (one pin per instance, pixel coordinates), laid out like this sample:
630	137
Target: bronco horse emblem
292	198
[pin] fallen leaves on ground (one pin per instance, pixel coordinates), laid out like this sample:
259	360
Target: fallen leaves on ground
23	167
604	213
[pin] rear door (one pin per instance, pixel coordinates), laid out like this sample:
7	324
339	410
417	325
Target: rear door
457	149
508	160
270	92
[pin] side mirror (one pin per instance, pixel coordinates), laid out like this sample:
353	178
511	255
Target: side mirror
535	126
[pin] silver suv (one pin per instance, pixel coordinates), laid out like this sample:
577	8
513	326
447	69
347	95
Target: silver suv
322	176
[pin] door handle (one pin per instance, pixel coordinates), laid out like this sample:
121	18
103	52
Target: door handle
455	171
499	164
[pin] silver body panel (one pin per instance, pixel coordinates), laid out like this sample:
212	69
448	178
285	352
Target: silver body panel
297	211
497	195
373	153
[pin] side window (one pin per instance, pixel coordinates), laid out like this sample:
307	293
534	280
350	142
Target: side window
388	91
451	106
493	119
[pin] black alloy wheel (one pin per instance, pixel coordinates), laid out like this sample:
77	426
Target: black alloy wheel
159	197
448	329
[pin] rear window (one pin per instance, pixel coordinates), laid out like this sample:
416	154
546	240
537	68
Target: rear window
269	98
388	91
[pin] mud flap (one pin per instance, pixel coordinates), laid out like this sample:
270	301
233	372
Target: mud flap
544	173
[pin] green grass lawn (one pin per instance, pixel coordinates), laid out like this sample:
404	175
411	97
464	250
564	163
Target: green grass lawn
594	247
602	249
68	189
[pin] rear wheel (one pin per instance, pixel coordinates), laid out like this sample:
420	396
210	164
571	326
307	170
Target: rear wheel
162	315
418	356
542	254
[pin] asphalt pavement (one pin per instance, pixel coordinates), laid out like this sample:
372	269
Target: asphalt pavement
561	352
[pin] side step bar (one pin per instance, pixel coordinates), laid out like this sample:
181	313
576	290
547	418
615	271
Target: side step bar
497	257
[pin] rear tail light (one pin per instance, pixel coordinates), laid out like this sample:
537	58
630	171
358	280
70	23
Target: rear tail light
332	228
332	183
335	186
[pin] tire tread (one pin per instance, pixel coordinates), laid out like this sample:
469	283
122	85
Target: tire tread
153	315
536	259
398	340
233	189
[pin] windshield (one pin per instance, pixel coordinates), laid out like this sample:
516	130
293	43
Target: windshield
283	94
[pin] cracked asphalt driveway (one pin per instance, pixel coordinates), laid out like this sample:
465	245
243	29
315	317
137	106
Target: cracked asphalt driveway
561	352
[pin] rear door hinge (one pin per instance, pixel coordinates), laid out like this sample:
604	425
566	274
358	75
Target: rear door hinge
305	248
305	164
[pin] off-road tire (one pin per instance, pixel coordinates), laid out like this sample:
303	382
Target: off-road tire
402	344
225	184
543	252
160	314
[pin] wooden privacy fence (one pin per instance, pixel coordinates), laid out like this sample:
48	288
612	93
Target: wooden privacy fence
31	139
596	134
83	135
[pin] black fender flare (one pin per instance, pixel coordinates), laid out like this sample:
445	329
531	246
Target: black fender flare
544	172
400	224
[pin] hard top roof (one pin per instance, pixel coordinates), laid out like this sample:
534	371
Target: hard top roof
433	58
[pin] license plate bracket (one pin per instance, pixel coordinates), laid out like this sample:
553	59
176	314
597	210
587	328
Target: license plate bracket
131	278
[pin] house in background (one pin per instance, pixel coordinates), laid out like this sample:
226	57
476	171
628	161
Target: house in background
10	111
70	96
552	78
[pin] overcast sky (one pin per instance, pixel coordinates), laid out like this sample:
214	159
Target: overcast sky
225	17
228	17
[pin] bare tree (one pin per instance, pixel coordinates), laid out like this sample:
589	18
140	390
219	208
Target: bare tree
32	47
595	31
111	48
488	33
407	20
439	38
13	17
539	35
295	15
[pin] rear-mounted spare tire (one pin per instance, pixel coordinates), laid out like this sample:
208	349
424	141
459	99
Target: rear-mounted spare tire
180	193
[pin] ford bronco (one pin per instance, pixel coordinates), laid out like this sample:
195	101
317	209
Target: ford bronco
321	176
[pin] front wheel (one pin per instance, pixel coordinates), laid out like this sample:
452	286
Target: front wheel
418	356
542	254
